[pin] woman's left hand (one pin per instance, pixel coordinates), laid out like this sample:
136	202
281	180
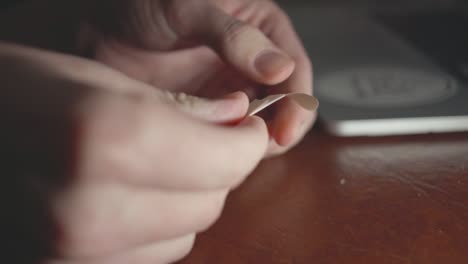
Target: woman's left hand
208	48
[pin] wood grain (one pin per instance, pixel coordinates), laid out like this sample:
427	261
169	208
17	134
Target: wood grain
349	200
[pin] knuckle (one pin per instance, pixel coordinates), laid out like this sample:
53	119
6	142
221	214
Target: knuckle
104	113
83	238
240	171
147	24
233	29
104	126
186	246
177	12
183	248
211	211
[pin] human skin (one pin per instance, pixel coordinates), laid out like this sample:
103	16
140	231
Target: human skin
210	51
143	174
205	48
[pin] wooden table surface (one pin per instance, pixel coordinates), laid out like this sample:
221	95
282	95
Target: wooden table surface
349	200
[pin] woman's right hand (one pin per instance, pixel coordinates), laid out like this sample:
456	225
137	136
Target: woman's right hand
132	176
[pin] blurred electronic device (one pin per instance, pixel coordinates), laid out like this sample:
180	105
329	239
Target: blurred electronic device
387	75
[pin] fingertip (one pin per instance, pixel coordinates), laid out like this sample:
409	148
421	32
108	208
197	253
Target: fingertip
290	123
254	122
236	95
284	133
273	67
241	101
232	108
228	109
251	52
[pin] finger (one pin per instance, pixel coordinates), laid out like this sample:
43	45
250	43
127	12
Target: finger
230	108
274	149
79	71
145	143
162	252
242	46
167	251
225	80
138	217
291	122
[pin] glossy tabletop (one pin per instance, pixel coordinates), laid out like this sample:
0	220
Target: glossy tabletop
349	200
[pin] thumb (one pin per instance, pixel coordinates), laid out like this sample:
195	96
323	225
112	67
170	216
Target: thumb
241	45
229	109
166	25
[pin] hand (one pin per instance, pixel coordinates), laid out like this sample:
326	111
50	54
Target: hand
129	176
208	48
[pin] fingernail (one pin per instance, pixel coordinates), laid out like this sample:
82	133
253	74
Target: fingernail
269	63
224	106
237	101
233	96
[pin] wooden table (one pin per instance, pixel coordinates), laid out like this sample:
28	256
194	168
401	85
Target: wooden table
349	200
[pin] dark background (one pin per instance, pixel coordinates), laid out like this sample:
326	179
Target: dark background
372	4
